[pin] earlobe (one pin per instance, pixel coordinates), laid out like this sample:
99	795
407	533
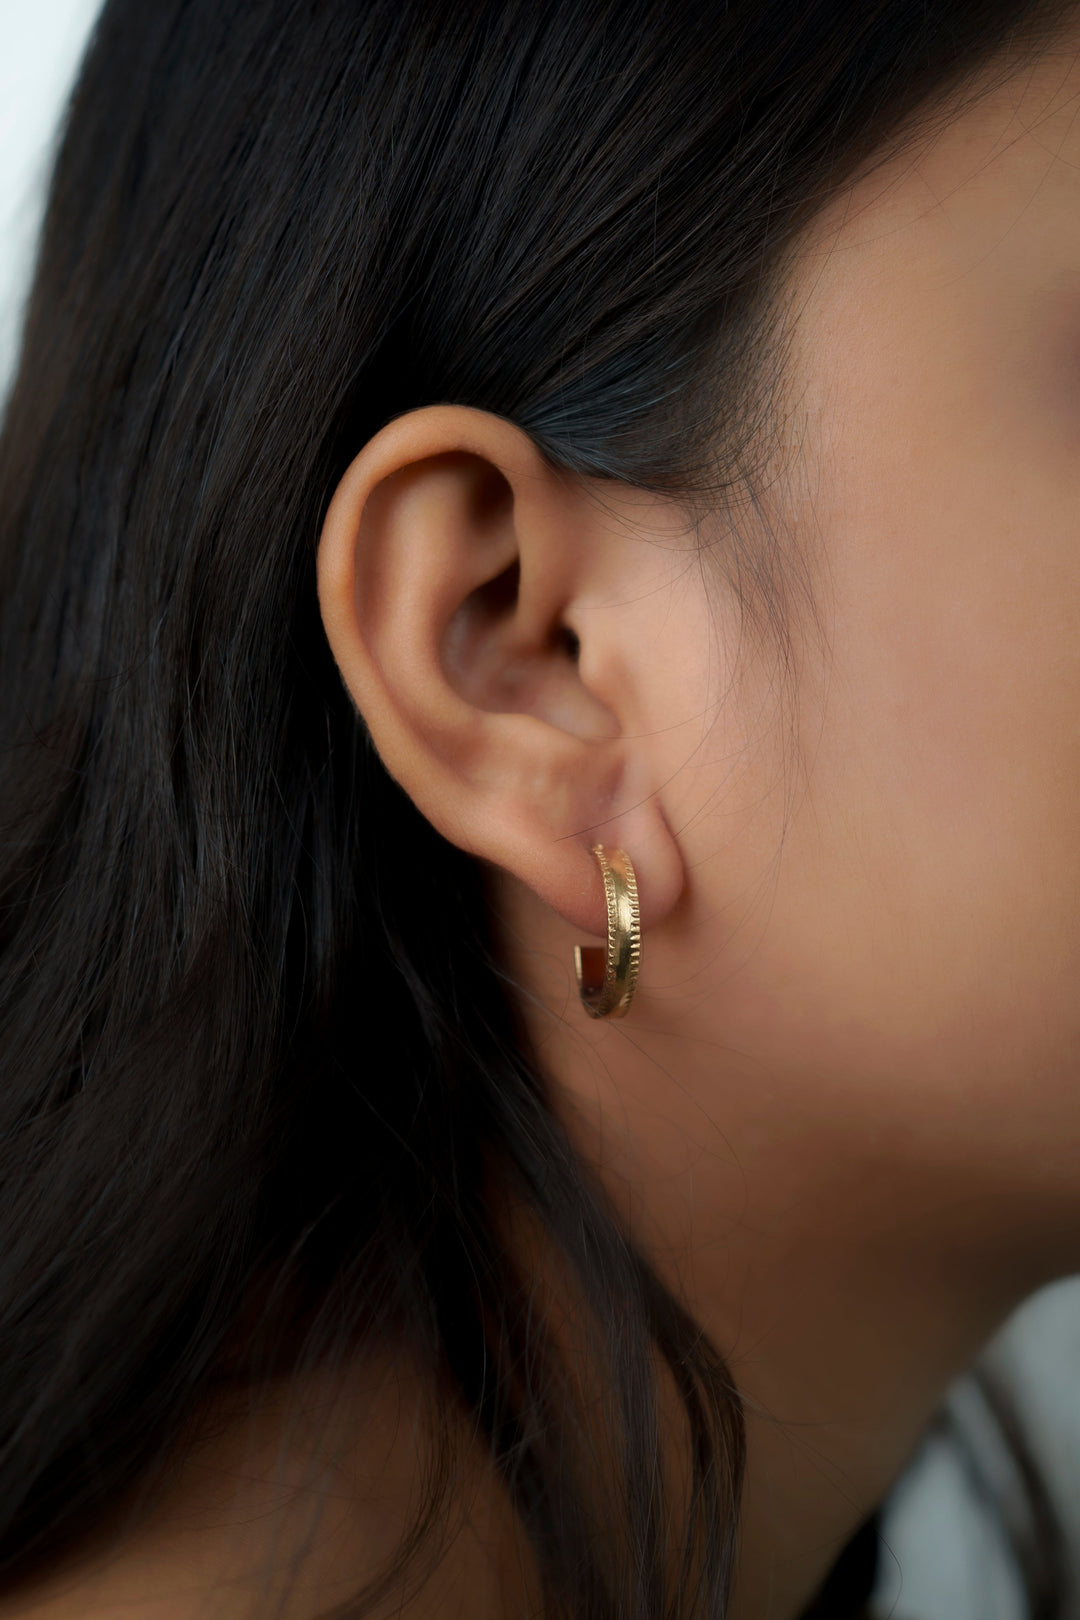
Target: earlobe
462	582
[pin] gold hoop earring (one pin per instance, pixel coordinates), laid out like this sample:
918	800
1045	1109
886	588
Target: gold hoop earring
607	977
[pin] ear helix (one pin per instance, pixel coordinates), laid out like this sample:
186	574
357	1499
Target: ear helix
607	978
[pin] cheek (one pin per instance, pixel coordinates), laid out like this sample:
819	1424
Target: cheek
895	910
925	926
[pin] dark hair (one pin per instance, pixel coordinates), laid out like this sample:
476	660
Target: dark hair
264	1098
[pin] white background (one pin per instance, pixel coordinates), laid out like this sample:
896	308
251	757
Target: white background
40	45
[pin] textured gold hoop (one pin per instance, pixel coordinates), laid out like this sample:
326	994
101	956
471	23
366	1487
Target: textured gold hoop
607	978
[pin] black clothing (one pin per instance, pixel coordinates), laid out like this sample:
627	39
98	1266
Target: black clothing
846	1591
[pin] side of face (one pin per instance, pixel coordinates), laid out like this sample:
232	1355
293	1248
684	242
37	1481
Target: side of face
920	960
860	863
867	996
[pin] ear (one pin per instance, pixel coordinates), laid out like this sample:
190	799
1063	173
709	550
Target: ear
484	611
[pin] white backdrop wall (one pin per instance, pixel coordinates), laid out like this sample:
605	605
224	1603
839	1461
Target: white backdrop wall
40	45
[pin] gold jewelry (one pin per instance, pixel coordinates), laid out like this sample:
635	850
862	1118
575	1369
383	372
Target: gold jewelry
607	978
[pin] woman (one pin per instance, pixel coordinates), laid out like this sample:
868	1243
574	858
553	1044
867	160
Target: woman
466	458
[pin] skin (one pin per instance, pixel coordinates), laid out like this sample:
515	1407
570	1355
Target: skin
843	1112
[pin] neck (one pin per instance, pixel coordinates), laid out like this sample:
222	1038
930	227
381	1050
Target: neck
842	1363
845	1281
